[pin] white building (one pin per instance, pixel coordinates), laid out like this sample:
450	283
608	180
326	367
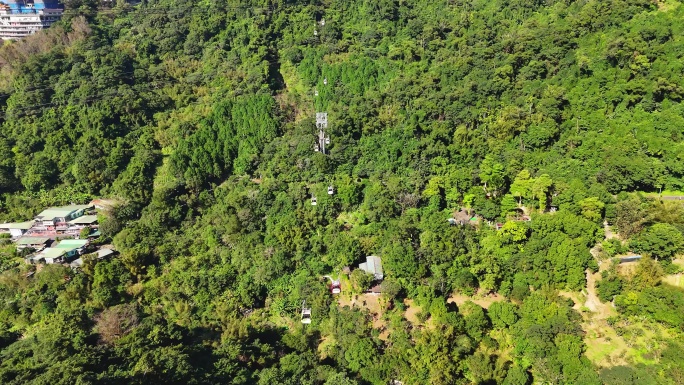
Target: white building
16	230
21	18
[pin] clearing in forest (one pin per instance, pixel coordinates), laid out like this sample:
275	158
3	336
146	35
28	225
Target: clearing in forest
375	305
675	279
482	300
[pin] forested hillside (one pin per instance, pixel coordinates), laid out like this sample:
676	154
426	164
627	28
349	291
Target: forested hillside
549	132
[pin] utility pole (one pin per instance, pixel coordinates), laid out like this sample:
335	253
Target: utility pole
322	124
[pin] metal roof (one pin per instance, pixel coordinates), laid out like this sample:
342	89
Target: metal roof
77	263
373	265
32	240
17	225
62	211
102	253
84	220
71	244
52	252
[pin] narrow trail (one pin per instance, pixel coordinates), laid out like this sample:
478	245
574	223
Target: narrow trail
601	310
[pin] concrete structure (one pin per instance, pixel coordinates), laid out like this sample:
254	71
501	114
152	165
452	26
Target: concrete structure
16	230
21	18
373	265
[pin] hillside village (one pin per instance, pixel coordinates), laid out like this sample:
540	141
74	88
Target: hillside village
60	235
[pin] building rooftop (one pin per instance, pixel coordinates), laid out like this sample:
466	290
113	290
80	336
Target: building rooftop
103	203
62	211
32	240
84	220
77	263
70	244
103	253
18	225
373	265
51	252
630	258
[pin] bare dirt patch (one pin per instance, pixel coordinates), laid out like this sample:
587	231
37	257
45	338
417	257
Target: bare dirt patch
373	303
411	313
480	299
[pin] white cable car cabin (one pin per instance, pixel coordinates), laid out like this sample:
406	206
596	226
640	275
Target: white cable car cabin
322	22
313	201
331	190
306	314
325	81
327	140
316	147
315	32
315	92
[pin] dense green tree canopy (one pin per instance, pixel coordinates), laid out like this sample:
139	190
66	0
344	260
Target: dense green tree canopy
477	147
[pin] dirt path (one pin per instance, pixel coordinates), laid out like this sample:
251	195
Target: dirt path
593	303
605	347
608	230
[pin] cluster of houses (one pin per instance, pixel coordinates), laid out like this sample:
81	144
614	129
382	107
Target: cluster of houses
55	221
53	235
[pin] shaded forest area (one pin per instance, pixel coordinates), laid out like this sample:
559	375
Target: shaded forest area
198	117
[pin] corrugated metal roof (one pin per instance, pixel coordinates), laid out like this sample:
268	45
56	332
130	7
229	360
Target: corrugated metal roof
62	211
373	265
71	244
52	252
32	240
84	220
17	225
102	253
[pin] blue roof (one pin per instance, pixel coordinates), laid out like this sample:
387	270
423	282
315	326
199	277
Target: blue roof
24	6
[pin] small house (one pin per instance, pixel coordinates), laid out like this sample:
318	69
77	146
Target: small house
62	251
37	243
86	220
72	246
75	226
16	230
373	265
51	255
